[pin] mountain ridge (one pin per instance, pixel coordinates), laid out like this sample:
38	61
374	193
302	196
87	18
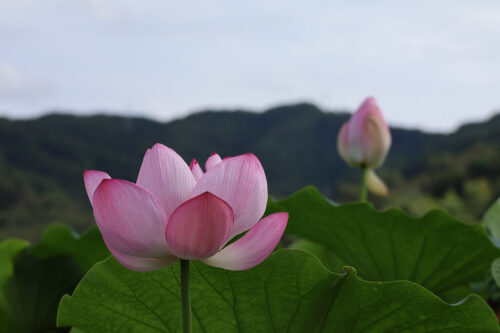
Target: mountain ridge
42	159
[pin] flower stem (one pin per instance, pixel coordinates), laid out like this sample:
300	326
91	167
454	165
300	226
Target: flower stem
186	298
364	190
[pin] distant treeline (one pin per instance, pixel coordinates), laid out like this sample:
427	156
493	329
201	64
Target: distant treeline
42	160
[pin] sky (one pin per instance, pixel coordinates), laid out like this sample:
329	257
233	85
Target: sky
430	64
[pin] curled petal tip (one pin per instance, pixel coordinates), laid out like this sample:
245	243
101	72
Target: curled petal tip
212	161
370	100
92	179
159	146
196	170
254	247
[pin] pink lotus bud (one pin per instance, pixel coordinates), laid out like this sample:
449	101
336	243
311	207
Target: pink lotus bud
176	211
365	139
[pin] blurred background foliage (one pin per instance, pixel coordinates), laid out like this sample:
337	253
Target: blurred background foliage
42	160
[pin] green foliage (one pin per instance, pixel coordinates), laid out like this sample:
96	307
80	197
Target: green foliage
61	240
9	249
463	179
435	251
324	255
290	292
495	271
33	292
33	279
491	283
491	220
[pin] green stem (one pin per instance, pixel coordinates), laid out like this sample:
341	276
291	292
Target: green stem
186	298
364	190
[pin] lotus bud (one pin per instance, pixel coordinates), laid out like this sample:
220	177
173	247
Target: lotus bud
365	139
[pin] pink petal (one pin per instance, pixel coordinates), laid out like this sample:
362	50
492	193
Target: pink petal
369	135
343	145
199	227
92	179
241	182
212	161
375	184
130	218
165	174
377	141
196	170
142	264
251	249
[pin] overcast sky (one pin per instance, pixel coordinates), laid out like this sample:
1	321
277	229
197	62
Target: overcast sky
430	64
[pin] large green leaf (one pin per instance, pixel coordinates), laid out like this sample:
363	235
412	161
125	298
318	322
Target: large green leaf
290	292
61	240
33	292
436	250
491	219
33	279
9	249
495	271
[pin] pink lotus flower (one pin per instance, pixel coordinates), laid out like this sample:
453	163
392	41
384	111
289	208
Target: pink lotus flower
175	211
365	139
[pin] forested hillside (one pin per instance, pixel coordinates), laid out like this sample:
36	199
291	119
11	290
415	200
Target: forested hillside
42	160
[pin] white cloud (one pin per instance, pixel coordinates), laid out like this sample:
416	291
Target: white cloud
9	77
